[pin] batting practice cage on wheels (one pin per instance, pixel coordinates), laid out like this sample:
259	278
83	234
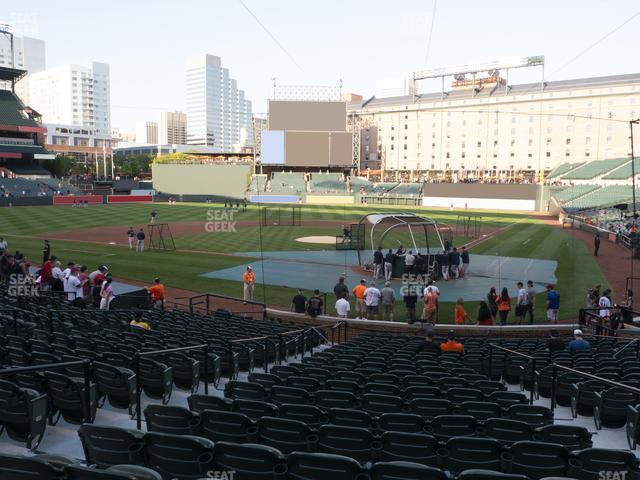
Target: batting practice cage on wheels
160	238
390	231
280	216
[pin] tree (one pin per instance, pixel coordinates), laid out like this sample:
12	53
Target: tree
60	166
132	165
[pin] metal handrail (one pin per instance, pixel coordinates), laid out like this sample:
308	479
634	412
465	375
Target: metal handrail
519	354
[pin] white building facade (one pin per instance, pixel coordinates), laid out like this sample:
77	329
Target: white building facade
28	54
217	110
497	129
172	128
147	133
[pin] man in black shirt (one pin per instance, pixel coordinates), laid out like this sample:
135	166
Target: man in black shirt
340	289
410	299
378	258
140	236
428	345
298	302
454	262
596	245
555	344
388	264
314	304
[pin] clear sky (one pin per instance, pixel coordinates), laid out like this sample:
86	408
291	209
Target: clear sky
360	42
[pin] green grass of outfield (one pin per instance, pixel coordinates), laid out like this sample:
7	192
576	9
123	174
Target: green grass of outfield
523	237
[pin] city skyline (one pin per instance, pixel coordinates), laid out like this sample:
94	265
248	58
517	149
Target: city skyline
322	44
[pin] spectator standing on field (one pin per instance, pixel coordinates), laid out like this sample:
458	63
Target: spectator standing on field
342	307
459	314
553	303
95	279
444	260
504	305
130	236
157	293
106	293
358	292
140	245
372	301
388	298
46	251
248	282
464	256
521	303
429	309
299	302
410	299
340	290
492	302
314	304
484	314
531	300
596	245
378	260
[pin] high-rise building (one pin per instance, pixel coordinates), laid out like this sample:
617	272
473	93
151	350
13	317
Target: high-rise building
147	133
172	128
74	101
28	54
217	110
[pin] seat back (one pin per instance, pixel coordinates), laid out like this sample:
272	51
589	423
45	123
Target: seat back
536	459
322	466
67	395
466	453
534	415
119	472
401	422
349	418
249	461
409	447
23	412
106	446
170	419
570	436
254	409
286	435
280	394
199	403
307	414
181	456
15	467
357	443
224	426
431	407
445	427
507	431
406	471
378	404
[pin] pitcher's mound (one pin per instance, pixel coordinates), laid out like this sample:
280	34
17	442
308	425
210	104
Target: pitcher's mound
325	239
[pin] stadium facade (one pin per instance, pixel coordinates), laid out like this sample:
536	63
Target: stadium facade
487	128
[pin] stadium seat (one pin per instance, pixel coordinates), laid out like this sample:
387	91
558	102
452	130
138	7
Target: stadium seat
221	426
466	453
459	395
118	384
310	385
487	387
118	472
342	386
382	389
409	447
267	380
249	461
506	431
357	443
570	436
66	394
610	407
199	403
246	390
286	435
254	409
107	446
309	414
322	466
534	415
401	422
23	413
481	411
376	405
589	464
170	419
185	370
564	387
178	456
489	475
156	379
280	394
349	418
335	399
444	427
421	391
405	471
506	399
16	467
430	407
535	459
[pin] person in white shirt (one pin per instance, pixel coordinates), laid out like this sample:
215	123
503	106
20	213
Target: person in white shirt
65	276
409	261
521	303
74	286
57	277
372	300
605	304
3	245
343	307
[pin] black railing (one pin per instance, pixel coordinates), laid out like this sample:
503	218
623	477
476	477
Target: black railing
86	370
138	355
519	354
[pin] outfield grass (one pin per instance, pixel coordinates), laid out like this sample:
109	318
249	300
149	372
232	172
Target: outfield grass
522	236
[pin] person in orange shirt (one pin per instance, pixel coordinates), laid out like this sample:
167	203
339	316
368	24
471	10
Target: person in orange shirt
460	315
504	305
358	292
249	280
430	303
157	293
451	345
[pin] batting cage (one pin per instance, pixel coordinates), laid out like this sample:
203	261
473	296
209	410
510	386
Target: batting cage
468	226
288	216
160	238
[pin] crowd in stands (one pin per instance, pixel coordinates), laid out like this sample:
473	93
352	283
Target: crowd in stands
612	220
